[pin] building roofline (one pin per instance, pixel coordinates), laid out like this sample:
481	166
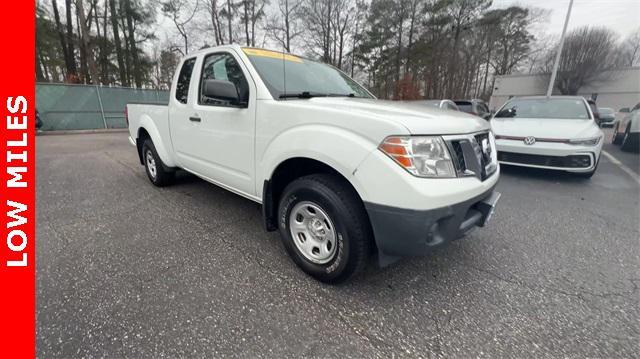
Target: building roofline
538	97
547	74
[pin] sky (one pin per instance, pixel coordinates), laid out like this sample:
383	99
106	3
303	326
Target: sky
622	16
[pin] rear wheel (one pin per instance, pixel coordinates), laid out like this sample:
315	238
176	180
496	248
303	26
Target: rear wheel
156	170
324	227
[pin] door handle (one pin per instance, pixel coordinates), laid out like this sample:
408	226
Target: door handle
194	119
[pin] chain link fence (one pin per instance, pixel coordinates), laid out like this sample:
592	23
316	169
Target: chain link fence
88	107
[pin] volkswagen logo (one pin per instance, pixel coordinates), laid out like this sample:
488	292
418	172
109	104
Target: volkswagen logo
529	140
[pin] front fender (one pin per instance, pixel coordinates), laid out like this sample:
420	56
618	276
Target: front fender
148	125
337	147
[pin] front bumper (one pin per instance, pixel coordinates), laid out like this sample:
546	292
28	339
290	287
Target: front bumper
548	155
401	232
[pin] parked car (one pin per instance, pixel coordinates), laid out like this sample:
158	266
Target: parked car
607	116
474	107
443	104
626	132
594	111
557	132
339	173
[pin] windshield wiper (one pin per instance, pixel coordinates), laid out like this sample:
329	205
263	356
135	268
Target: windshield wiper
303	94
308	94
341	95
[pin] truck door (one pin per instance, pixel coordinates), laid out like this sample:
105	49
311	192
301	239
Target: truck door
180	107
216	139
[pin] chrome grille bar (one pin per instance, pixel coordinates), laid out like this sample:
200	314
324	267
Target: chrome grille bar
473	154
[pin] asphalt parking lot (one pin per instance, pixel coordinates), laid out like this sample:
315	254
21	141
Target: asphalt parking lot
125	269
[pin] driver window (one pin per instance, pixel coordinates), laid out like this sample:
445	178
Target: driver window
223	66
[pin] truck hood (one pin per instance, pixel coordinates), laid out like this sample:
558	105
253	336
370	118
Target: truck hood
417	117
544	127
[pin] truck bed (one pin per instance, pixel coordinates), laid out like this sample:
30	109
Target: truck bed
152	116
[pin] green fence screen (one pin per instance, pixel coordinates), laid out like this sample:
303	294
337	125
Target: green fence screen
87	107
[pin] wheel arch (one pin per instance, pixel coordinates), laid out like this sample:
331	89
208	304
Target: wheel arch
141	136
288	171
149	130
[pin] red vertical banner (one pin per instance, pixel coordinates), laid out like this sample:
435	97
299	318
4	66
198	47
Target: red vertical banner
17	182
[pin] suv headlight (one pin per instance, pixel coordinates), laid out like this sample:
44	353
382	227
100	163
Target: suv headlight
586	141
422	156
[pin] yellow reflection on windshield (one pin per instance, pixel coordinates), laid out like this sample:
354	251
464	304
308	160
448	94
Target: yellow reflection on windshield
271	54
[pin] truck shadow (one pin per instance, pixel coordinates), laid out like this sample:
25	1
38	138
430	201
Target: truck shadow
425	270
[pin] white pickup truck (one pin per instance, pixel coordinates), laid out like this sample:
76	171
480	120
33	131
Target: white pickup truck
339	173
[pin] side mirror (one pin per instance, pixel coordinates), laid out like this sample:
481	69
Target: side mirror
624	110
507	112
487	116
221	90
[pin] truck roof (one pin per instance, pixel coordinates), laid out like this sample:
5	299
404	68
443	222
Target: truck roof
239	48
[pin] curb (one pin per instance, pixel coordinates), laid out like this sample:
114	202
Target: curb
80	132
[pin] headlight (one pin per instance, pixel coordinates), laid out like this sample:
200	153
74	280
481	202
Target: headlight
422	156
586	141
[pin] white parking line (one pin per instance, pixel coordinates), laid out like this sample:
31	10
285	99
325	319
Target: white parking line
622	166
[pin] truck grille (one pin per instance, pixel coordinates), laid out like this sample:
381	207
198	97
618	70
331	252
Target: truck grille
486	157
458	155
473	155
573	161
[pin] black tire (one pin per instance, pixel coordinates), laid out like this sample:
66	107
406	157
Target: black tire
346	212
161	177
616	139
629	141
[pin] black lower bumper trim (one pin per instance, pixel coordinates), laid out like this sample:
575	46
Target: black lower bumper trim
572	161
403	232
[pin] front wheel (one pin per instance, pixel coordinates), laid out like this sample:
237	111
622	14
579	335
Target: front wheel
616	139
629	141
324	227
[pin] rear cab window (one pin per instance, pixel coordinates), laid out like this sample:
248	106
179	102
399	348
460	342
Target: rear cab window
184	79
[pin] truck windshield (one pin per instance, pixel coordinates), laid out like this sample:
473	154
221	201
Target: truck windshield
289	76
554	108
